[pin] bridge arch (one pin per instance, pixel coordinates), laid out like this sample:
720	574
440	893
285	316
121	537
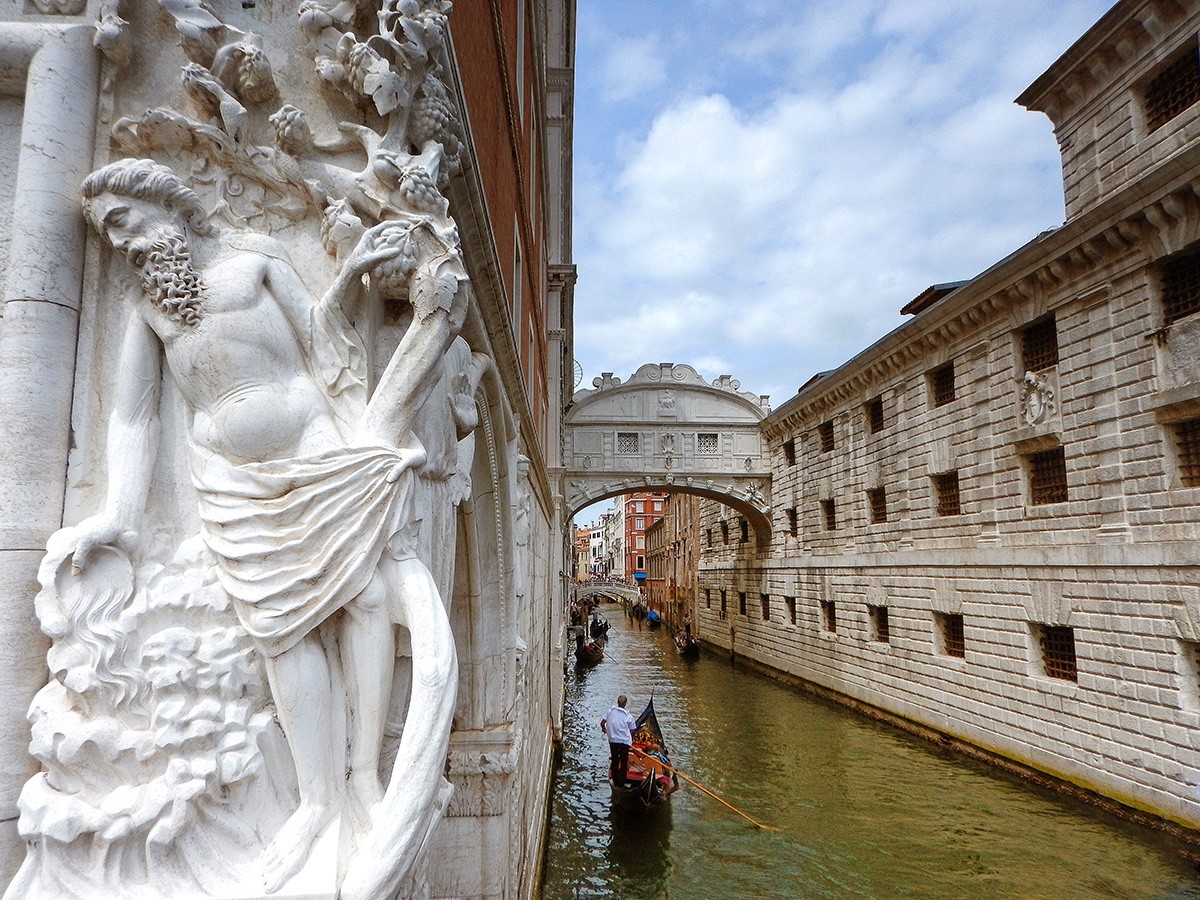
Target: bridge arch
667	429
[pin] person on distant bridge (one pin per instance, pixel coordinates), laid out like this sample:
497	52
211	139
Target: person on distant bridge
618	724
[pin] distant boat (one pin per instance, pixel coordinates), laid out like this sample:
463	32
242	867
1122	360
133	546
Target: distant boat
687	645
650	779
599	627
589	654
653	619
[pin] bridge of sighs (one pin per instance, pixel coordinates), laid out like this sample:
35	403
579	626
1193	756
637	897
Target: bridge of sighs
667	429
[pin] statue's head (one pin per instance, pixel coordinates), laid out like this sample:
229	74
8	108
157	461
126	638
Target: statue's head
134	200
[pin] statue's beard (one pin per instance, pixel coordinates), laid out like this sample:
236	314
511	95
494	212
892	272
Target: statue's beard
171	281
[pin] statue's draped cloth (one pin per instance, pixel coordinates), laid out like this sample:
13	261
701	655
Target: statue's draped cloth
297	539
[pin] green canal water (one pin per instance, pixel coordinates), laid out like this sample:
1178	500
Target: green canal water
862	809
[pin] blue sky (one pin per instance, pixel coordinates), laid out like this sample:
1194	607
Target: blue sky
761	185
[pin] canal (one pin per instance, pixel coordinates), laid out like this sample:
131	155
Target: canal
863	810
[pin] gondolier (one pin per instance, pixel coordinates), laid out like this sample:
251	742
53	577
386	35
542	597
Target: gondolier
618	724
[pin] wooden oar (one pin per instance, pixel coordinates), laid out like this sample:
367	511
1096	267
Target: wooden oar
696	784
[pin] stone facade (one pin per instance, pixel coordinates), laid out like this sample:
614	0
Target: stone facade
986	522
672	555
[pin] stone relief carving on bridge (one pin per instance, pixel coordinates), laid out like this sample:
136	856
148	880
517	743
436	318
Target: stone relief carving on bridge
322	400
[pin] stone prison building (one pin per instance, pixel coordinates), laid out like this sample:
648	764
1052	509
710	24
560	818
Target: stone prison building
985	523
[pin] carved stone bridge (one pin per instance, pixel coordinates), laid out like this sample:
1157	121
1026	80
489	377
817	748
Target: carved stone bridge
612	591
667	429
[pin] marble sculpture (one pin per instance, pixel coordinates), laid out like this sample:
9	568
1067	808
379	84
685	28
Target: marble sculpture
326	454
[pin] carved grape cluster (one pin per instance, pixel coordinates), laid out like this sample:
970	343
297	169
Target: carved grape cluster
419	191
391	277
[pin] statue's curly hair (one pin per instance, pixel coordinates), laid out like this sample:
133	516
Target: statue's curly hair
144	179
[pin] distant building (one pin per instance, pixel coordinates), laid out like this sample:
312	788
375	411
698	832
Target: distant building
672	554
641	510
987	521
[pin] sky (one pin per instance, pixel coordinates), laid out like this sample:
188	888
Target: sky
761	185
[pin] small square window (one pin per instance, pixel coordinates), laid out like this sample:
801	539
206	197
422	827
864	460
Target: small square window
790	603
829	514
1047	476
1180	280
793	519
627	442
825	433
829	616
765	600
877	499
1173	89
1039	346
878	618
950	628
789	452
1057	646
742	602
706	443
945	487
1187	451
874	415
941	384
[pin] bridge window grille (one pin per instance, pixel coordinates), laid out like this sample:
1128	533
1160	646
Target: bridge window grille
741	603
1057	646
874	415
1180	275
1173	89
1187	451
627	442
1047	476
793	518
706	443
941	384
825	432
790	603
877	498
1039	346
789	452
878	616
949	502
829	514
724	532
724	605
951	627
765	600
743	531
829	616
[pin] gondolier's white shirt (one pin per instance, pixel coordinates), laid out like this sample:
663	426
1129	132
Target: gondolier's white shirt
618	724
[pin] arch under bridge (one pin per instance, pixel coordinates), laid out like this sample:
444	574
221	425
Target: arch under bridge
667	429
580	592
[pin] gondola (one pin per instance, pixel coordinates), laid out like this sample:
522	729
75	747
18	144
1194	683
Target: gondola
687	645
650	779
653	619
589	654
598	627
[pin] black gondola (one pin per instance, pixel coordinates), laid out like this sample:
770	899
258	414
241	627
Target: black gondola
687	645
599	627
650	777
590	653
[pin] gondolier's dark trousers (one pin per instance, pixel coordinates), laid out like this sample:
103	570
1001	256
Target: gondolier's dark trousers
620	761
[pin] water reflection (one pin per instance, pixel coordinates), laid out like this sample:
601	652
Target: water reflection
863	810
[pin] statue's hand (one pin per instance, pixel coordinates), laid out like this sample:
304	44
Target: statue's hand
379	244
97	531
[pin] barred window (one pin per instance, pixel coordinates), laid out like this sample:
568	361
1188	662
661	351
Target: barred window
742	602
874	415
789	452
1180	276
765	600
627	442
1039	346
793	517
951	627
1173	89
1048	476
878	617
945	487
941	384
829	616
744	530
1057	645
1187	450
707	598
724	532
877	498
790	603
708	536
706	443
829	513
724	606
825	431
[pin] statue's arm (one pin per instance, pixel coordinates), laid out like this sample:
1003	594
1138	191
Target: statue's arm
132	442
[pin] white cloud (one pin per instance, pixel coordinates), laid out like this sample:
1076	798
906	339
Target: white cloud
633	68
